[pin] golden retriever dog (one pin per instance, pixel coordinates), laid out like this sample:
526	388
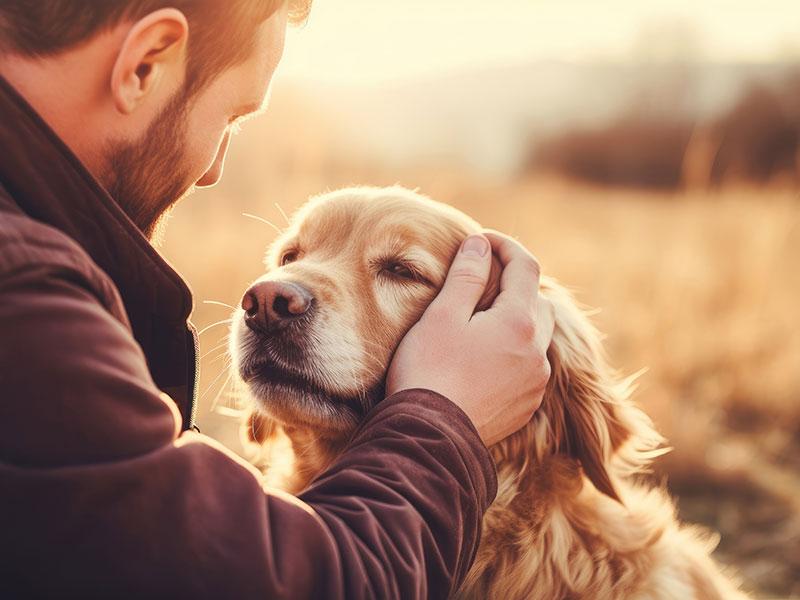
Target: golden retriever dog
573	518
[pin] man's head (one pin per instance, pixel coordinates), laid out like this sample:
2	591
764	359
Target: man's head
145	92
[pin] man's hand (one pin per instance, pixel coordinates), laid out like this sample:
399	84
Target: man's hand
492	364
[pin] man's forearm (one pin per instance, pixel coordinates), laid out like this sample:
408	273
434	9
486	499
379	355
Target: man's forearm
413	485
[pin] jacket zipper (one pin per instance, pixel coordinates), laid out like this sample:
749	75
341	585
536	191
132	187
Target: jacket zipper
195	378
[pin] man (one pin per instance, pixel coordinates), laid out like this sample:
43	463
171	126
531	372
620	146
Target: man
110	111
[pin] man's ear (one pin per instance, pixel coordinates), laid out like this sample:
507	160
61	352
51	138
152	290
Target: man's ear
153	54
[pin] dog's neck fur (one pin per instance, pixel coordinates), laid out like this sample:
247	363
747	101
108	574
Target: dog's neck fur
551	534
312	455
545	536
548	528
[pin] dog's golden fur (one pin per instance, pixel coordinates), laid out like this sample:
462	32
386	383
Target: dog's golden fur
572	517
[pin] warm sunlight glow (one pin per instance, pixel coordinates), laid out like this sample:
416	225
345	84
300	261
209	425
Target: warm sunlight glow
363	41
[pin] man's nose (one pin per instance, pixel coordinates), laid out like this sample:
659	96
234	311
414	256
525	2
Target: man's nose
214	173
269	305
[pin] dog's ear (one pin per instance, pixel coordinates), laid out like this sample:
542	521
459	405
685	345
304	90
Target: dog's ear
492	287
583	401
582	420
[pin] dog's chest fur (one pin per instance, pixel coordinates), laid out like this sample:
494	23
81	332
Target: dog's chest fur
530	546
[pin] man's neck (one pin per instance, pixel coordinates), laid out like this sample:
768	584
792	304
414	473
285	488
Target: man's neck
71	98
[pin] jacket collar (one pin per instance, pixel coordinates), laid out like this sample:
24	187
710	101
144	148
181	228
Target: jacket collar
50	184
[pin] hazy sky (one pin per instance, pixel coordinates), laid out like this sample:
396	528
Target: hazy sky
365	41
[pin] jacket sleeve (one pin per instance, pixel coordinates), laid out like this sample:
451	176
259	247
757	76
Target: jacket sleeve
100	496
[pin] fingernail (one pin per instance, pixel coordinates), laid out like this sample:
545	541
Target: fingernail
475	245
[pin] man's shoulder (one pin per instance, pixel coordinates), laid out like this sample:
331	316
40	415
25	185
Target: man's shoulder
27	243
32	249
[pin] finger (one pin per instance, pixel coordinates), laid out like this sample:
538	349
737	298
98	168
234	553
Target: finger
466	279
545	323
519	282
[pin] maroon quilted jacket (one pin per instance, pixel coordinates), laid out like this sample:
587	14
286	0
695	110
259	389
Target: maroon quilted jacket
104	488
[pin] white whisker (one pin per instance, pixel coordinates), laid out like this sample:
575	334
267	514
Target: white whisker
278	206
221	389
218	303
204	329
263	220
216	358
222	355
216	379
226	411
219	346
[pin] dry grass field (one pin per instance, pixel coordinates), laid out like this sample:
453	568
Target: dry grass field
700	289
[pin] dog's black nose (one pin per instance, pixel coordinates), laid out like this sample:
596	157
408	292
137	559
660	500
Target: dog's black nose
270	304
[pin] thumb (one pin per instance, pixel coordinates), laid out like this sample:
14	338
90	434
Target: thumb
467	278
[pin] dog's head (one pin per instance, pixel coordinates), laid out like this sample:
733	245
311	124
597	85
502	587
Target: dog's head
349	277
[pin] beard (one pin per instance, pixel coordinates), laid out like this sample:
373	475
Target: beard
147	177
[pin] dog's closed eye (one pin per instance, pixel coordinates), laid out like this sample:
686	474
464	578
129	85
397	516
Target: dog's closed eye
399	270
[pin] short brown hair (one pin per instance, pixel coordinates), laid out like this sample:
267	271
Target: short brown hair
222	32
